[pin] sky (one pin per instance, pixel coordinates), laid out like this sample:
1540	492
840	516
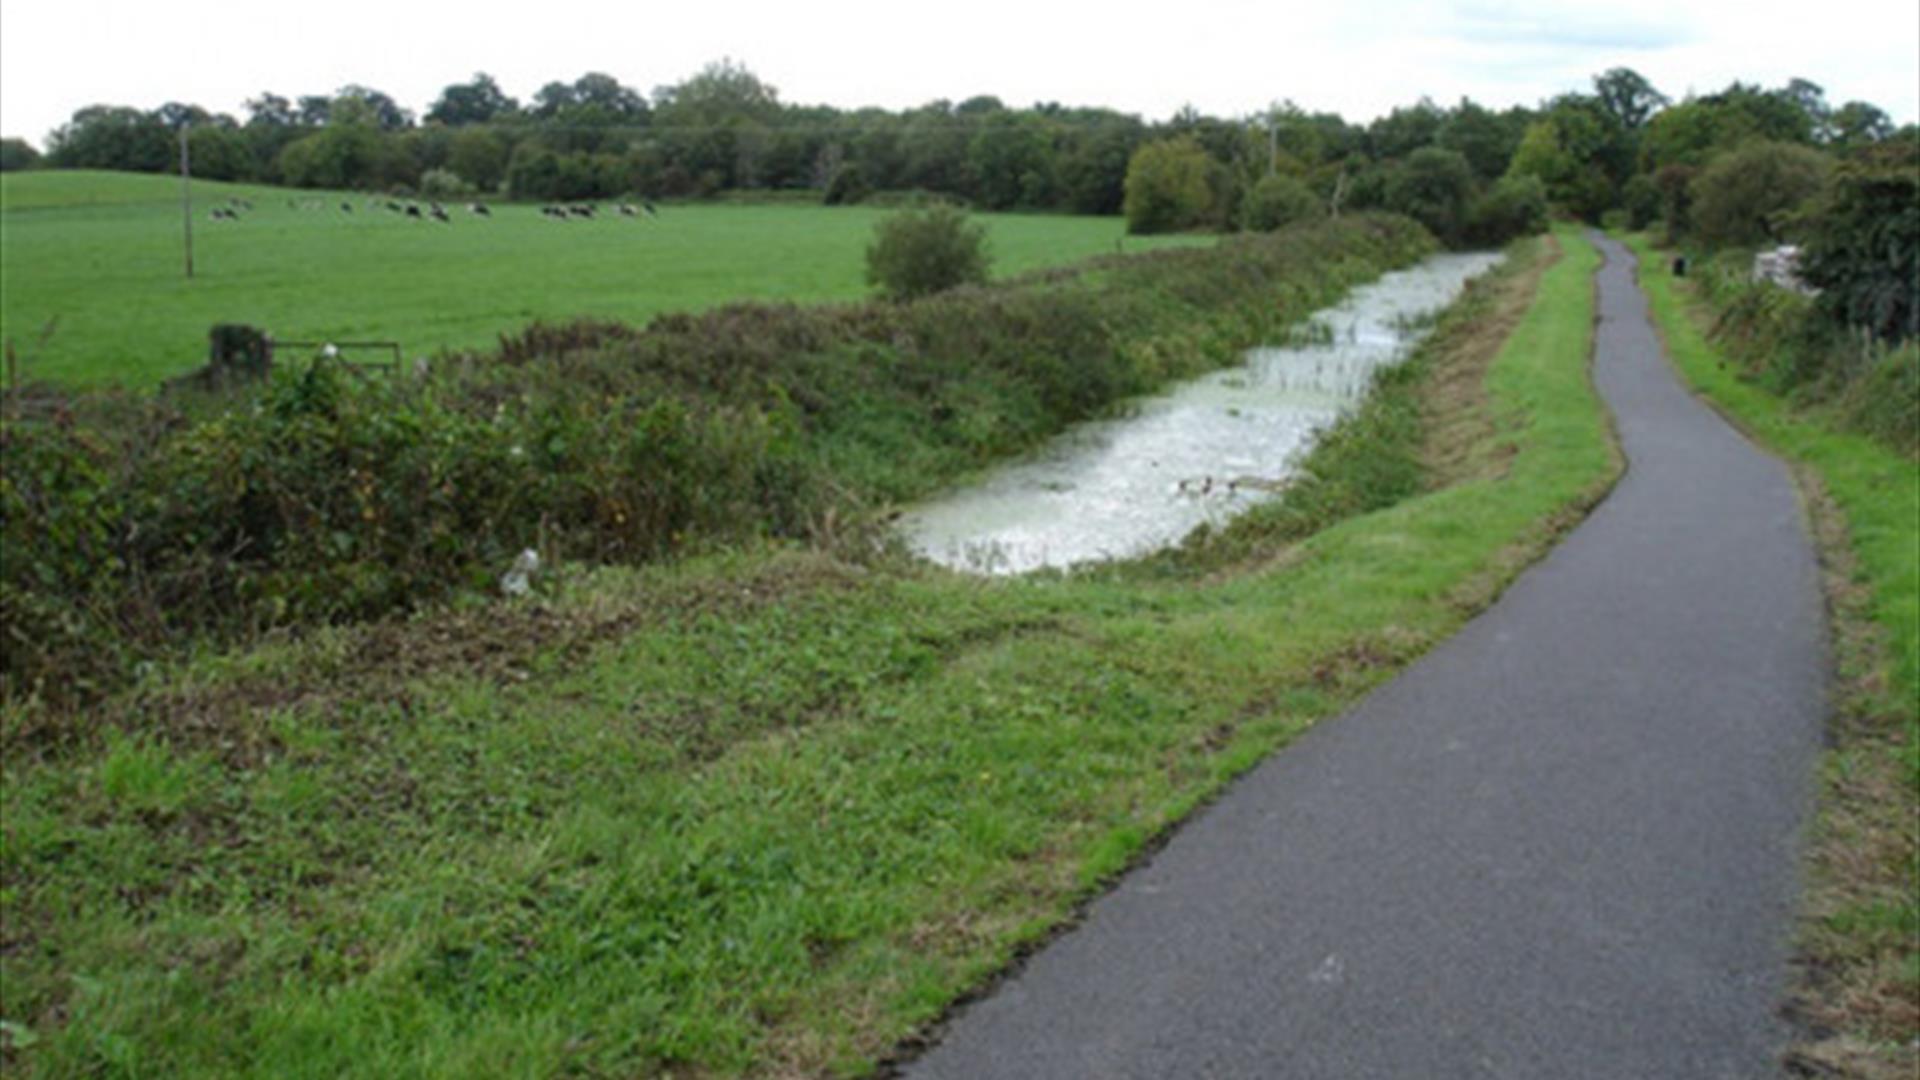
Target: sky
1226	58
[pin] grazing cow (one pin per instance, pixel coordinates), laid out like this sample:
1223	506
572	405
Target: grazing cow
580	211
413	211
346	208
627	211
479	208
440	215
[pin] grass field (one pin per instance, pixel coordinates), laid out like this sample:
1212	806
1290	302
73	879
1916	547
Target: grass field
763	813
101	253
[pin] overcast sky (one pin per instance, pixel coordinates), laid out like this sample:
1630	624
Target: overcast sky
1225	57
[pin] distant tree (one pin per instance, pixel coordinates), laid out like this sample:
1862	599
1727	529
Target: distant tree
175	115
534	173
220	153
386	112
347	153
1742	197
1858	123
17	154
979	105
1514	206
1405	129
919	252
1093	166
1628	97
479	156
1641	199
1010	161
271	110
1277	201
473	102
1167	186
1485	138
315	110
1434	187
717	122
113	137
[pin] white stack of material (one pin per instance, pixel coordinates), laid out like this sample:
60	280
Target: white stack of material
1782	267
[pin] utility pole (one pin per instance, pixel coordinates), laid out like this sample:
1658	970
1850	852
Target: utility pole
186	197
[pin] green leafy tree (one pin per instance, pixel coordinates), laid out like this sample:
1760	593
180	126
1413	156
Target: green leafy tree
474	102
479	155
1514	206
17	154
1742	198
347	153
1863	242
219	153
1010	161
919	252
1434	187
1628	97
113	137
1276	201
1168	186
1485	138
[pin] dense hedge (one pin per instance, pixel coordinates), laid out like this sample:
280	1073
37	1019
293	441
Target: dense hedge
132	525
1789	344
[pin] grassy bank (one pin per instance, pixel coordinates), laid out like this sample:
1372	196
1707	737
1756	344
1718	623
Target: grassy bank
134	524
1861	944
101	253
760	812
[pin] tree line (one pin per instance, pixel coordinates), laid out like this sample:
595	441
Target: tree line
1616	146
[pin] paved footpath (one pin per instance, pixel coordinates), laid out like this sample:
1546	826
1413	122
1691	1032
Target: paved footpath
1563	844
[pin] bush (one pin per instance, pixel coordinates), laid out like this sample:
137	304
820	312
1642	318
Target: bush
1514	206
919	252
444	184
1168	187
1744	198
1277	201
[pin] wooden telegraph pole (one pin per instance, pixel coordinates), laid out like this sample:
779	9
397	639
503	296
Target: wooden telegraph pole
186	198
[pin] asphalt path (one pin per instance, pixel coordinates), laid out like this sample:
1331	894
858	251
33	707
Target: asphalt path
1563	844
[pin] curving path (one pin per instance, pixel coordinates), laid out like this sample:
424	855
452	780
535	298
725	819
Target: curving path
1563	844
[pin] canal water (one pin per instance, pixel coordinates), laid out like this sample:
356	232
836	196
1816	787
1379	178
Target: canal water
1196	453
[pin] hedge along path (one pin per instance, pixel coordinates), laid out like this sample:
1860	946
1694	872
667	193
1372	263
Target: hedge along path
1859	963
777	817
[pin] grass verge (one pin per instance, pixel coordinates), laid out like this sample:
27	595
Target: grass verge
763	812
1859	997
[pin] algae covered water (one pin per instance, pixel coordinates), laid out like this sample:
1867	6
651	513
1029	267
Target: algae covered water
1194	454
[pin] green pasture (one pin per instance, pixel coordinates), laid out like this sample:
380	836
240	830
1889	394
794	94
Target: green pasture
99	255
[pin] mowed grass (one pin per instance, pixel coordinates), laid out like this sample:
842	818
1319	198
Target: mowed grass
101	253
763	813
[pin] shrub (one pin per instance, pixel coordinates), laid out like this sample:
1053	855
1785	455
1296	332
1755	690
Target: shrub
919	252
1743	198
1514	206
1168	187
1278	201
848	186
444	184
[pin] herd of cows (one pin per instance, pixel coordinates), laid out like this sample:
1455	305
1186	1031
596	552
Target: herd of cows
235	205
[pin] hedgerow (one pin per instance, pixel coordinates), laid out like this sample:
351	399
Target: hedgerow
134	525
